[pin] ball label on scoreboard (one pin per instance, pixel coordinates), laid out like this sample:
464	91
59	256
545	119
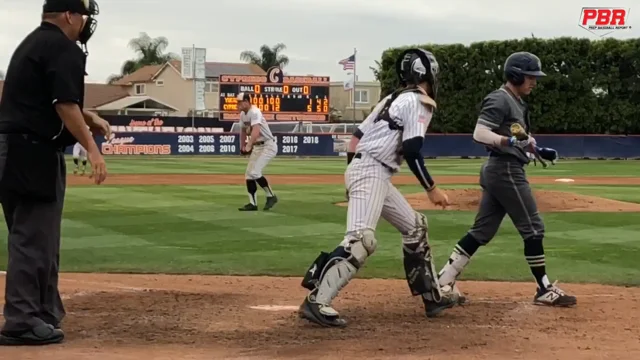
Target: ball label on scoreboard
279	97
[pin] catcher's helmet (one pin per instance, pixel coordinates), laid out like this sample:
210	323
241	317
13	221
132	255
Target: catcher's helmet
521	64
415	66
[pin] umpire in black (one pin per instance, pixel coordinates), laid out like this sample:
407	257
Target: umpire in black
41	113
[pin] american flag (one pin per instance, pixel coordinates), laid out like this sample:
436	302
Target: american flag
348	63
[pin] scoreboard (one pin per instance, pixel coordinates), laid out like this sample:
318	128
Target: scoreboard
279	97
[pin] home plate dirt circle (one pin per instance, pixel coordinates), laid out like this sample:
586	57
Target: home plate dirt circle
214	317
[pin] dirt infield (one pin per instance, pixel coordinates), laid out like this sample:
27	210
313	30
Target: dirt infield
548	201
134	317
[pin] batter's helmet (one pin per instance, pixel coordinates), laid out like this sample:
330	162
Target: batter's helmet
415	66
521	64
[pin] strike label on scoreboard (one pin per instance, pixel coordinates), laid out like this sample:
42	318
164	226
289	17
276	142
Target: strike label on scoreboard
279	97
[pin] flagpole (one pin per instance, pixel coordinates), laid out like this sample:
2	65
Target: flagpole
355	60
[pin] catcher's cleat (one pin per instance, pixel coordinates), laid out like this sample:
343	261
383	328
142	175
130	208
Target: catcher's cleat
248	207
553	296
271	201
433	308
325	316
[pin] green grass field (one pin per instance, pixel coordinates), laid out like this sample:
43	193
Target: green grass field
197	229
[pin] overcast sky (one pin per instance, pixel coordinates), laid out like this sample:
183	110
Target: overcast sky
318	33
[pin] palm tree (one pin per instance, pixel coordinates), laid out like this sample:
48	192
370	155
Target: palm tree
150	52
268	57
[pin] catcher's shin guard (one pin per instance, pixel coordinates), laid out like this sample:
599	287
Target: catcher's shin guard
331	272
420	270
418	262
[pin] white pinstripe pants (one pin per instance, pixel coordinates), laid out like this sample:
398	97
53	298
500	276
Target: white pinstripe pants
371	195
259	158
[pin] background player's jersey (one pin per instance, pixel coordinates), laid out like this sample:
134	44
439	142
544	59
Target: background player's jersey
500	109
384	144
254	117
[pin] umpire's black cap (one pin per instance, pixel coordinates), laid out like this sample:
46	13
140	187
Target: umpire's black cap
82	7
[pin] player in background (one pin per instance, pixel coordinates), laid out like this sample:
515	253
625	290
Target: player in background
262	147
394	131
79	154
505	189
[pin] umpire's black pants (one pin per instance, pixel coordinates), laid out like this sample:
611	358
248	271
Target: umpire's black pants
31	293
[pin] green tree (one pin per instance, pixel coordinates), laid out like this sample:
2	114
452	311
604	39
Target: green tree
591	87
268	57
150	51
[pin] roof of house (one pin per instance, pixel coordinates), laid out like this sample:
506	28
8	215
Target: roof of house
127	101
96	94
212	69
144	74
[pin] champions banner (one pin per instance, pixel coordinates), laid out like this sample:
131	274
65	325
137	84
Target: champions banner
136	143
303	144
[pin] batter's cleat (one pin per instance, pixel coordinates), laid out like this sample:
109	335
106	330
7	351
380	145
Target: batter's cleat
432	308
271	201
83	171
75	171
322	315
248	207
554	296
455	290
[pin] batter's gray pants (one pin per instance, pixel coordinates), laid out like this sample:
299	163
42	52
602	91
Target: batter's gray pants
506	191
31	292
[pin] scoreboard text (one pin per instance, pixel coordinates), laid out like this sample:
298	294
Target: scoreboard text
284	98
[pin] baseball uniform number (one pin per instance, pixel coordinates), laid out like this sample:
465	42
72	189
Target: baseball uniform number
185	148
206	148
207	139
289	149
227	148
227	139
185	138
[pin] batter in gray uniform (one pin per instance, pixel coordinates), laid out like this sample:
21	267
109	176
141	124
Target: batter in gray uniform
505	189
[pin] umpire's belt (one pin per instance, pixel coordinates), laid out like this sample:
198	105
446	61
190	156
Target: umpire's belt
359	156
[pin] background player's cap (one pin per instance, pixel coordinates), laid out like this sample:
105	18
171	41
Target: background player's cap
243	97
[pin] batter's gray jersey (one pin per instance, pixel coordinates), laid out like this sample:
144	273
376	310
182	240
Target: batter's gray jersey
501	109
384	144
254	117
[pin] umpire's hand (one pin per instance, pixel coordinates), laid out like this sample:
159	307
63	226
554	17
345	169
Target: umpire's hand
98	165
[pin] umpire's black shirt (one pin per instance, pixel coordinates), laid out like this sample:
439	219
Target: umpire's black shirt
46	68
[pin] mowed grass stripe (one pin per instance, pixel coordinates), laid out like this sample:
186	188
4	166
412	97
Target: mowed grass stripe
293	165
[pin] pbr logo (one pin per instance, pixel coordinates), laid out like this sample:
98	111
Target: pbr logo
602	21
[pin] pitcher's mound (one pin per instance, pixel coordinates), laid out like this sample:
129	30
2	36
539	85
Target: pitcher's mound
548	201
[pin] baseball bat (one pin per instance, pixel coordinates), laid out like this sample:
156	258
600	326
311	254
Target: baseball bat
518	131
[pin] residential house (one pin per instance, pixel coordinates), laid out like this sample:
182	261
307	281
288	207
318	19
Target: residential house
367	95
112	100
164	84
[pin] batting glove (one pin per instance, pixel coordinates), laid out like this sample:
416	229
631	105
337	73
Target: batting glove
513	141
548	154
